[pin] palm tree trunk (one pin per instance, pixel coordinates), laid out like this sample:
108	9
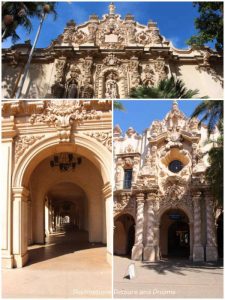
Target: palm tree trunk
18	93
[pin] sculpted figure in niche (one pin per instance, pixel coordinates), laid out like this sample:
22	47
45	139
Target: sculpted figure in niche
72	90
111	87
149	76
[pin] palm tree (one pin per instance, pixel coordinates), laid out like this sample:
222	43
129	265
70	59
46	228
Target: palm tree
16	14
166	89
212	112
118	105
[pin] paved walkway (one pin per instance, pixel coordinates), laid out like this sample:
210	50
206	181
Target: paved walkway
168	279
67	266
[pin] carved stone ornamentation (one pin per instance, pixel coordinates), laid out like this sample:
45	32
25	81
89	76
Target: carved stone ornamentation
22	143
167	175
111	87
105	138
62	115
120	205
111	60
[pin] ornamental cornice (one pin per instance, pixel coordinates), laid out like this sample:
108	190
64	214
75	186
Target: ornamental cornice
22	107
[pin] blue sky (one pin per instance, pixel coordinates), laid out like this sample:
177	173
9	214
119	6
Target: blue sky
175	19
139	114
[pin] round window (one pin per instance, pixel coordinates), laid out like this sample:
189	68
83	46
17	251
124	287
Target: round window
175	166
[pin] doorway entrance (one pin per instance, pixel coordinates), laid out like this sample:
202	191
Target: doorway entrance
66	212
220	235
124	234
175	234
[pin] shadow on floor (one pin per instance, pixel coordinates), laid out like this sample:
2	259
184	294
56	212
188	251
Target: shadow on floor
60	244
178	266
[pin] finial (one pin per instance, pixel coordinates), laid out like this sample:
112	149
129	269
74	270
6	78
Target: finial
112	8
175	104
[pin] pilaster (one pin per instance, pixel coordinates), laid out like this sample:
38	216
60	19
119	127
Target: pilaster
20	226
8	133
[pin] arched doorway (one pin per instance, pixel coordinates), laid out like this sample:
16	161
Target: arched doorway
174	234
33	179
220	235
124	234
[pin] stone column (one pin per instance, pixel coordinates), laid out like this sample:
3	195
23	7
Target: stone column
29	217
157	236
108	224
149	250
198	251
138	246
20	226
211	245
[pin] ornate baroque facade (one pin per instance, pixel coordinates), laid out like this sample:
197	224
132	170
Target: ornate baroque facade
106	58
167	187
33	132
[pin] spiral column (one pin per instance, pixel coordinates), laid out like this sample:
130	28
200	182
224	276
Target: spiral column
211	245
137	250
198	251
149	250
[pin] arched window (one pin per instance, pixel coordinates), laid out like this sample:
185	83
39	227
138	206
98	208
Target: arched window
175	166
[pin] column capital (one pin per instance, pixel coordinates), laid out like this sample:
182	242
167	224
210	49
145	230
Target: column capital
20	192
196	195
151	196
140	197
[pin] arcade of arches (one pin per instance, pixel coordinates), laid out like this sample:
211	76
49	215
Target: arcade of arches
71	195
163	206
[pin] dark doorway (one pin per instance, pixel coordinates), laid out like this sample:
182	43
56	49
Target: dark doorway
124	235
220	235
178	239
131	238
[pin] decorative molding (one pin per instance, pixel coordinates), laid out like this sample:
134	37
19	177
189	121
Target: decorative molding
105	138
22	143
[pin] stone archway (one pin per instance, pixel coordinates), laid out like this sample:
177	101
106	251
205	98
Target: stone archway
124	234
98	191
175	237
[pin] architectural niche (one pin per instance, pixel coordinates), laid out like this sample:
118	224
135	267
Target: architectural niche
106	58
